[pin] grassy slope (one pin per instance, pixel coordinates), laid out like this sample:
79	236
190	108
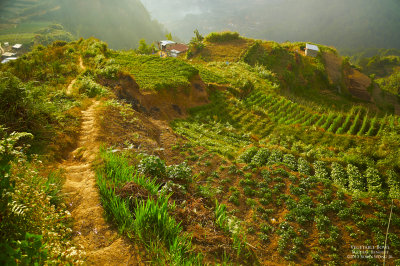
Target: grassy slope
318	177
295	180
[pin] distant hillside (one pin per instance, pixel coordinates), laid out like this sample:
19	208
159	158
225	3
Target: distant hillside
120	23
344	24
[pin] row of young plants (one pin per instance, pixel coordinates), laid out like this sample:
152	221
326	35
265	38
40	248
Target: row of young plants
148	219
284	111
348	177
313	202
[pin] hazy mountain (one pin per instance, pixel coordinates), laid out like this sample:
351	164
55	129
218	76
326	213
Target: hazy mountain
120	23
345	24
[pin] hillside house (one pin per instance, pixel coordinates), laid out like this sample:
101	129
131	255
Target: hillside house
172	49
311	50
165	45
17	46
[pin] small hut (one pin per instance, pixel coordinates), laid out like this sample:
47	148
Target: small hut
311	50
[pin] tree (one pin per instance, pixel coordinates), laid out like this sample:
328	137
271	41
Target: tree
144	48
169	36
198	37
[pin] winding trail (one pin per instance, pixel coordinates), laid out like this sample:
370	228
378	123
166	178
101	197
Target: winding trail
99	240
71	84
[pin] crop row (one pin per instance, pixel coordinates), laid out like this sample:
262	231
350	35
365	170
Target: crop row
284	111
349	177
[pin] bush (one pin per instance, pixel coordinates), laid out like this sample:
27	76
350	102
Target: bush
303	166
222	37
110	72
290	161
373	180
320	170
275	157
153	166
393	181
247	155
356	180
89	87
179	172
339	175
261	157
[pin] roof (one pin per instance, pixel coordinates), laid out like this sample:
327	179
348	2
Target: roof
179	47
162	43
17	46
8	54
8	59
312	47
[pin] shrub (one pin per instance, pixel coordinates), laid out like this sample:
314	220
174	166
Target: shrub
222	36
339	175
320	170
374	181
247	155
261	157
109	72
303	166
290	161
153	166
89	87
275	157
393	181
356	181
179	172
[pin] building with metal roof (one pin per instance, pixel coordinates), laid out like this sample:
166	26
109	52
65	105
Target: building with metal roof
311	50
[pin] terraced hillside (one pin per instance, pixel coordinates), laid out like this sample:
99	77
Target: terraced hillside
244	153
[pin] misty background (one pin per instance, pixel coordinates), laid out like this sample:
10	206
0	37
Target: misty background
347	25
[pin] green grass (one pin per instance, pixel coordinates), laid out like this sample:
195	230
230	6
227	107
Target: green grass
149	219
154	73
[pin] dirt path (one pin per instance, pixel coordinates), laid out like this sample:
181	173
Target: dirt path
71	84
100	241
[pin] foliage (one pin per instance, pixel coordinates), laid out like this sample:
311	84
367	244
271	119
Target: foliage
149	219
88	86
248	154
320	169
356	180
153	166
339	175
303	166
179	172
226	36
33	227
261	157
155	73
144	48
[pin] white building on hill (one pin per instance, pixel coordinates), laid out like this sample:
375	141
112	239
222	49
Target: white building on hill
311	50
